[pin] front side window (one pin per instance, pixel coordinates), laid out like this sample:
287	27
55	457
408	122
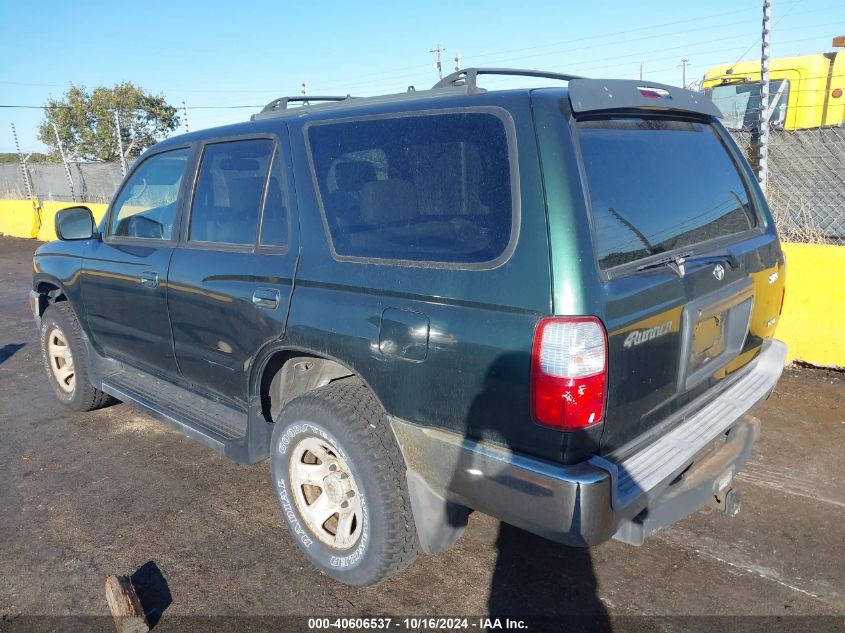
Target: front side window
229	192
657	185
146	206
426	188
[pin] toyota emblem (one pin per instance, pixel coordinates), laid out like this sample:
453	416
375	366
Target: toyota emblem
719	272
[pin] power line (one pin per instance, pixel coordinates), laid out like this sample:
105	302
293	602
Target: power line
757	41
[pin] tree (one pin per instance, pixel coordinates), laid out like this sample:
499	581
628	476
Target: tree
86	122
35	157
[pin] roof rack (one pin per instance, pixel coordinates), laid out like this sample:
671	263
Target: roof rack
468	76
282	102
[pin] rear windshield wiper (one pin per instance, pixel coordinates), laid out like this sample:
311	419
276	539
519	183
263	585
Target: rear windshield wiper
675	263
723	255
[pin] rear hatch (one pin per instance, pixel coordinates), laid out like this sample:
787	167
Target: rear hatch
690	267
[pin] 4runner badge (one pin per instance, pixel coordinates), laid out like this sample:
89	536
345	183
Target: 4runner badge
641	336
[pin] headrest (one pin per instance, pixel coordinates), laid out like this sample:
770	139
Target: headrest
245	193
352	175
388	202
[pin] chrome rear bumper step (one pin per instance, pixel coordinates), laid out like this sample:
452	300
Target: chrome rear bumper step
644	472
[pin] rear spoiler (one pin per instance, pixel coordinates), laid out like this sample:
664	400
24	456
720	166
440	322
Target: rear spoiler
596	95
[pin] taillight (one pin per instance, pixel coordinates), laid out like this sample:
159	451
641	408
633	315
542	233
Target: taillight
782	262
569	372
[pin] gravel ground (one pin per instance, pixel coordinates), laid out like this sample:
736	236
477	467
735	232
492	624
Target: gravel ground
115	491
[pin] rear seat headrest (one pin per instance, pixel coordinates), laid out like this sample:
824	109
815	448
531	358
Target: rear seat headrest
352	175
388	202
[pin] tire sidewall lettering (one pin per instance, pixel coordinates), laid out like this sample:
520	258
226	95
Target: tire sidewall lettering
287	439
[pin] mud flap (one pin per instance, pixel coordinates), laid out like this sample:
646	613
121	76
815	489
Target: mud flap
440	523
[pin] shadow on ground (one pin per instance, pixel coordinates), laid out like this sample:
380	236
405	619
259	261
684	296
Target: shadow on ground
7	351
152	590
532	577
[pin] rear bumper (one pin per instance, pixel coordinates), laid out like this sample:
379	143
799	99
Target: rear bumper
624	497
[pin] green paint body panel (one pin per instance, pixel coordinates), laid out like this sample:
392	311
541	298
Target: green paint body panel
440	346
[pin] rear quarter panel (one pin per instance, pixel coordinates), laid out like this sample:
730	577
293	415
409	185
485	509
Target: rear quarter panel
474	378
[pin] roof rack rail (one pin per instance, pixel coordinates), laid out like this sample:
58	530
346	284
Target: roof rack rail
282	102
468	76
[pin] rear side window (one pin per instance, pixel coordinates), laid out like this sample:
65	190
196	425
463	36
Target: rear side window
426	188
657	185
229	191
274	226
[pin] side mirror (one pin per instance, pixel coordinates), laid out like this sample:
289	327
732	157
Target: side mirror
75	223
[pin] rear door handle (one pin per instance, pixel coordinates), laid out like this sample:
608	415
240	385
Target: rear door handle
149	279
266	298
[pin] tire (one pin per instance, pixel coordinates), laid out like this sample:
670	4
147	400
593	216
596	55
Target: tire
345	428
65	360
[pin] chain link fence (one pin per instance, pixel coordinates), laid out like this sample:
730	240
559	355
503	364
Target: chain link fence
806	183
92	182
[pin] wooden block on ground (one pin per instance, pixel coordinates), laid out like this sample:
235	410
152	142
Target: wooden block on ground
125	606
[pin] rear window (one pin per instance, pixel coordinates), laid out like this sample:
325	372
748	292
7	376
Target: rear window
657	185
428	188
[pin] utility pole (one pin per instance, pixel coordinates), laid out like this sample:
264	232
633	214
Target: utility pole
438	64
119	142
683	65
763	162
457	62
185	111
641	71
64	161
304	92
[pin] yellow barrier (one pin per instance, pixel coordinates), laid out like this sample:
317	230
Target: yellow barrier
20	218
815	294
48	217
815	298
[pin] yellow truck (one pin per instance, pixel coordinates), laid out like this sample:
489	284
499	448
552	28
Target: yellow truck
808	90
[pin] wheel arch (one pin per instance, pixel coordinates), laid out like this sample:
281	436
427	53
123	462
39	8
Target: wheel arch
290	371
48	291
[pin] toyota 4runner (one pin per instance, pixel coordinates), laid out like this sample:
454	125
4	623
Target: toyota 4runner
555	306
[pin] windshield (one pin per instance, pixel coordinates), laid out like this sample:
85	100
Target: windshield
657	185
740	103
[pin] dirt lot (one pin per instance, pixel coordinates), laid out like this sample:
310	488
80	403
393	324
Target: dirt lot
87	495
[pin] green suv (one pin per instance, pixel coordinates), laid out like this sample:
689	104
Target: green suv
555	306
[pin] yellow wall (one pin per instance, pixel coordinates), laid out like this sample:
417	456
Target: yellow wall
20	218
815	293
48	217
815	300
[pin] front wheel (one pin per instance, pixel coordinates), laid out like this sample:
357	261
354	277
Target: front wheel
340	479
63	352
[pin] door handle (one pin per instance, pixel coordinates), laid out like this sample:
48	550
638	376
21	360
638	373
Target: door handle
266	298
149	279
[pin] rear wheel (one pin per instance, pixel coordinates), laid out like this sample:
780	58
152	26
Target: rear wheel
340	479
63	351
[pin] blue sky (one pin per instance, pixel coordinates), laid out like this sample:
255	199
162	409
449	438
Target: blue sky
216	53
